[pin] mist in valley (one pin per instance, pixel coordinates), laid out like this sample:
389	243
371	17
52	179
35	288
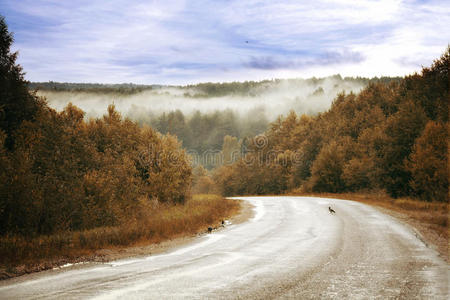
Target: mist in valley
202	115
268	98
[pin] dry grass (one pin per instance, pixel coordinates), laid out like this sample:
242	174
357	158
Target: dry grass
156	224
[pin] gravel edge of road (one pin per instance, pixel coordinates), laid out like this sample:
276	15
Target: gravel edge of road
422	231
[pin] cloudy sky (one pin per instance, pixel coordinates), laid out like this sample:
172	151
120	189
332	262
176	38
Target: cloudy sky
181	42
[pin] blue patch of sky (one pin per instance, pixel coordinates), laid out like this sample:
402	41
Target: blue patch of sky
29	29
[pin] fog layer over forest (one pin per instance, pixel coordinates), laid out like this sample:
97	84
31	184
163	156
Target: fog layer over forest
202	115
274	97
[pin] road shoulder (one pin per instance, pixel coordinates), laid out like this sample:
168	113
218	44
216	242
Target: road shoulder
244	213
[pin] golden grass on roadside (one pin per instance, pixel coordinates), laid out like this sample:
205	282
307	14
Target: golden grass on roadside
157	223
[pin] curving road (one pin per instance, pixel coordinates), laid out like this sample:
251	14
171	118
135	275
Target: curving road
292	248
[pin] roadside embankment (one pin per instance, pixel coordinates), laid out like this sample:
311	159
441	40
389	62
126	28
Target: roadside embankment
164	227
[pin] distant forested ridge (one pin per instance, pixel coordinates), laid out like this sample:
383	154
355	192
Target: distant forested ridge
255	88
121	88
391	136
200	90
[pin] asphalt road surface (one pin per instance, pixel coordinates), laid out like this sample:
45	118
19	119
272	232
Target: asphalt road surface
293	247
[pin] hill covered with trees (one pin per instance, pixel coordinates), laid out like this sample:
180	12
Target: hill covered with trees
391	136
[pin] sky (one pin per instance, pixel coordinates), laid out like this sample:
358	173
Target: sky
182	42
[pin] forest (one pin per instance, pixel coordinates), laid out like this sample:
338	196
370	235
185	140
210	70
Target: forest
377	134
202	115
60	172
72	185
392	136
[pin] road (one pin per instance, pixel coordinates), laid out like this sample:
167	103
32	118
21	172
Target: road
292	248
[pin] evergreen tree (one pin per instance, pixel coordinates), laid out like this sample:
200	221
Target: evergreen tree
16	102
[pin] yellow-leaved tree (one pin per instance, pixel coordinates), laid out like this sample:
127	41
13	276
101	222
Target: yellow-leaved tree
428	163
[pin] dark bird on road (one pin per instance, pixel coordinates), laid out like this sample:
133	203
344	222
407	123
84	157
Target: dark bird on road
331	210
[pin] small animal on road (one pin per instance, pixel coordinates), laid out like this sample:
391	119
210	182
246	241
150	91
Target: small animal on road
331	210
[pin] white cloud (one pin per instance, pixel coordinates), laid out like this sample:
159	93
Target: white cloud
181	41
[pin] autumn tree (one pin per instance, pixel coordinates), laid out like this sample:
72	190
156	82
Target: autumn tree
402	129
428	163
203	182
430	89
326	173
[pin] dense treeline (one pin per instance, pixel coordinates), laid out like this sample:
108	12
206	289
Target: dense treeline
256	88
202	90
392	136
68	174
59	172
99	88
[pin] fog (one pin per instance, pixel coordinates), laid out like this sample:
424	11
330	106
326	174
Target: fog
272	98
